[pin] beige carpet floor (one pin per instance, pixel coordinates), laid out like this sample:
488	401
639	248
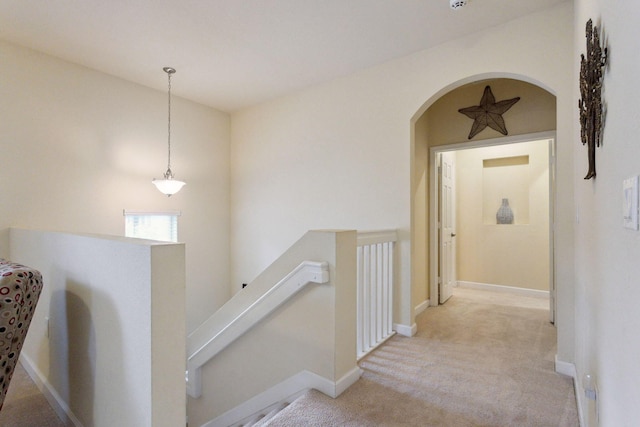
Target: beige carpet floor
25	406
481	359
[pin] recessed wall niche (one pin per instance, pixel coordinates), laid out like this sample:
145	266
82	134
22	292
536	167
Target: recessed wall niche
505	178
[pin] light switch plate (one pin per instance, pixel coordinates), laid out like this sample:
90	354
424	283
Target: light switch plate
630	203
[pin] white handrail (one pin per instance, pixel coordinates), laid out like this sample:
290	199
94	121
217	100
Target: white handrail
378	236
201	352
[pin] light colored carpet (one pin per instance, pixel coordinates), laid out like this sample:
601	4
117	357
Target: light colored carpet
482	359
25	406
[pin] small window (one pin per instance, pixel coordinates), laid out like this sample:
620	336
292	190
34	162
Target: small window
162	226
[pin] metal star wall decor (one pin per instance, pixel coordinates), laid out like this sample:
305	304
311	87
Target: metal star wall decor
590	102
488	113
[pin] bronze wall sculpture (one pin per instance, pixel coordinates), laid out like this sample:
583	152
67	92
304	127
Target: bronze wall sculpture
590	102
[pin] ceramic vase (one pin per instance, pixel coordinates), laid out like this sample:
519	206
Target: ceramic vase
504	214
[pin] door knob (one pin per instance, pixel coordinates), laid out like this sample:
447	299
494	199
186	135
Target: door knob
453	234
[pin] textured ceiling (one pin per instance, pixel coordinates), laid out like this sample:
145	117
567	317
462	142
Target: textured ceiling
230	54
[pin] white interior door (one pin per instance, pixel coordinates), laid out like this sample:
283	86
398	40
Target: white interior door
447	226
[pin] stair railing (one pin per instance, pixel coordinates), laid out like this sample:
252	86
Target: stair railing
215	335
375	283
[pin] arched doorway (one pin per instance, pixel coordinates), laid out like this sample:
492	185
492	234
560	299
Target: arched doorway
438	127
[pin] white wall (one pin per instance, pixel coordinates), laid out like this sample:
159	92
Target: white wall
78	146
338	155
514	255
607	267
112	351
420	218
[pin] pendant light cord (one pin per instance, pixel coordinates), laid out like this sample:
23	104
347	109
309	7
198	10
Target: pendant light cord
169	72
168	185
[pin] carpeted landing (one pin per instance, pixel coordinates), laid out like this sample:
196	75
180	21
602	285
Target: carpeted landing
25	406
482	359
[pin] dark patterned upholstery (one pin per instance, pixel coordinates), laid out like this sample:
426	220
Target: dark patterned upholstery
20	288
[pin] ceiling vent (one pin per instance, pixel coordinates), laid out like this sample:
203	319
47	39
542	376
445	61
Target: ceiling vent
457	4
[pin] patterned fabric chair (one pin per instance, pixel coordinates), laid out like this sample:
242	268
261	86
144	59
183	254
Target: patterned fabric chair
20	288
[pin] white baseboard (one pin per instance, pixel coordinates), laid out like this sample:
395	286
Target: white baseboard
283	393
407	331
347	381
57	403
569	369
565	368
506	289
421	307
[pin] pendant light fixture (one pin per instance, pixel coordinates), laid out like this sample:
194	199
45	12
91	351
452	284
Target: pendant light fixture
168	185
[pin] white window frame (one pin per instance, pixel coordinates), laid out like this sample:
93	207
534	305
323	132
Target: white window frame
148	232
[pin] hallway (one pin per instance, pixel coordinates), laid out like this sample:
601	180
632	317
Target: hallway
482	359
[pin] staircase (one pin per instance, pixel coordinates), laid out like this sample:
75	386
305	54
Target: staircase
280	336
262	419
301	325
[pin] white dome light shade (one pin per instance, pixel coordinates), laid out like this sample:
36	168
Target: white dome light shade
168	186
